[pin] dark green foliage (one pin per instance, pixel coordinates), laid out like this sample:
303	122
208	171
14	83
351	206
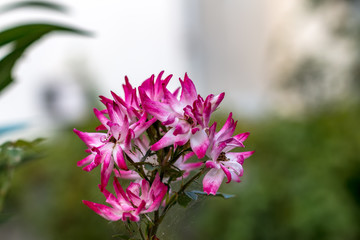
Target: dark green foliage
21	37
303	182
12	155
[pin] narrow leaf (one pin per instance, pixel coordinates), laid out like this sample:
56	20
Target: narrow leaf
183	199
33	4
22	37
218	194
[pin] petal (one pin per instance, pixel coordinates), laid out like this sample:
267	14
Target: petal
106	169
167	140
101	117
188	93
120	193
199	143
118	156
182	127
227	173
215	101
145	186
93	164
157	109
142	125
227	130
103	210
86	160
239	156
91	139
242	136
130	174
213	180
212	164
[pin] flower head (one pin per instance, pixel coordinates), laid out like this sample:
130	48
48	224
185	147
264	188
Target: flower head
138	198
187	117
223	162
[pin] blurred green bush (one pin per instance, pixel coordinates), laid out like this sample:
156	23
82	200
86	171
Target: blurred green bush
302	183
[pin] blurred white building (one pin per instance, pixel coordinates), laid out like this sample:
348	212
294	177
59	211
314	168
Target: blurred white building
238	47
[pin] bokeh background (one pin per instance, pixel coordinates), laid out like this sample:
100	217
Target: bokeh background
290	70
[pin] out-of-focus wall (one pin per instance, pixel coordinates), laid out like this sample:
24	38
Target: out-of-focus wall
133	38
258	52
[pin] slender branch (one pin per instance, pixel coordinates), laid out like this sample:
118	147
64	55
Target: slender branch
140	231
175	196
140	169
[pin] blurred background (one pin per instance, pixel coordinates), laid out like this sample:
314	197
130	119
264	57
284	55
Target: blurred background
290	71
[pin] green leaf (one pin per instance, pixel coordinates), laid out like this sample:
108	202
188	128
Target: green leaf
218	194
192	195
150	167
12	154
33	4
183	199
22	37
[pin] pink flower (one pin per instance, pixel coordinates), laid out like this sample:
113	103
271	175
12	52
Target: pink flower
187	117
108	148
222	162
139	198
137	155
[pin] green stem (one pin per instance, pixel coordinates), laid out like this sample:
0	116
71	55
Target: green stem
174	197
140	231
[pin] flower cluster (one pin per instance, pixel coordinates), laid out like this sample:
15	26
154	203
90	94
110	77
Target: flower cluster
154	137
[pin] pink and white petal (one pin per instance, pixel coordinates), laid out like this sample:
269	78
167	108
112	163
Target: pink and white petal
86	160
215	101
227	173
162	190
213	180
242	136
103	210
182	139
93	164
182	127
239	156
120	193
188	93
115	129
118	156
157	109
233	166
130	174
145	186
167	140
130	135
235	177
172	101
142	125
140	207
199	143
191	166
188	156
134	198
119	100
91	139
227	130
105	100
101	127
212	164
101	117
106	169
